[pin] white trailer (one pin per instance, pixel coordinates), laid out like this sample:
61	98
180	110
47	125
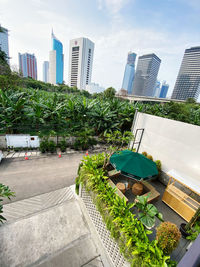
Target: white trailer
22	140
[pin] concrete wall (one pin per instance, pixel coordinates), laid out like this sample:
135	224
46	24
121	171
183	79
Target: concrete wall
176	144
3	143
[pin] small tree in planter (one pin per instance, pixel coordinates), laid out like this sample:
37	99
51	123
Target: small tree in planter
168	237
4	192
148	212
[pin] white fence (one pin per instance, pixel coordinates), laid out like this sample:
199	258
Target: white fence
175	143
24	140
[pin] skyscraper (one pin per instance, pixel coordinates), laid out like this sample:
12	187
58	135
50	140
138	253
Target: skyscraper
80	62
56	59
129	73
4	41
164	90
188	80
146	75
28	65
46	71
157	89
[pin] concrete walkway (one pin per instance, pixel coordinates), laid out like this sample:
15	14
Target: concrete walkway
29	178
56	236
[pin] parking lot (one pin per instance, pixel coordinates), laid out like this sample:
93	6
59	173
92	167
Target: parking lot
39	175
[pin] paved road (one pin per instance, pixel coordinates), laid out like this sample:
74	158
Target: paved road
28	178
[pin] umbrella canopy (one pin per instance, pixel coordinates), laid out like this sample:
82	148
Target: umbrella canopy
134	165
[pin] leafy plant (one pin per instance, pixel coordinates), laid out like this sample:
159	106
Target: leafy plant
144	153
168	236
62	145
159	165
44	146
194	231
148	212
4	192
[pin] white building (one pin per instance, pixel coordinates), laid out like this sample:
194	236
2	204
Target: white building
46	71
94	88
4	41
81	52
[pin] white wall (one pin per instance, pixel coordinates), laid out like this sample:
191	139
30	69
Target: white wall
176	144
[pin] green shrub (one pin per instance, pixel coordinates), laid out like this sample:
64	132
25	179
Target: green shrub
194	232
62	145
159	165
168	236
51	146
150	157
4	192
44	146
144	153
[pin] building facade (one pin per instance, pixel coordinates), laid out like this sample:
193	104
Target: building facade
157	89
188	80
56	61
164	90
46	71
4	42
146	75
129	73
81	52
28	65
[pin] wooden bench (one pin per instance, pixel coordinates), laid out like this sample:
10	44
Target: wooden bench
118	192
113	173
153	193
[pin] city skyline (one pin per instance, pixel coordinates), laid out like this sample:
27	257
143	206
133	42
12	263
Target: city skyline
118	28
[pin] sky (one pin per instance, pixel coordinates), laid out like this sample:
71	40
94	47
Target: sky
163	27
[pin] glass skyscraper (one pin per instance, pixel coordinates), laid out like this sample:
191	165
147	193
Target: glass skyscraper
46	71
129	73
146	75
188	80
56	61
4	42
164	90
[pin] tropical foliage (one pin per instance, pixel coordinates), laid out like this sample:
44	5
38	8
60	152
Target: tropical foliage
29	106
127	230
147	212
5	192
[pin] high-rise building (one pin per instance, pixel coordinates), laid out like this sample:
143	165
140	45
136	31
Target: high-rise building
129	73
80	62
164	90
28	65
46	71
56	61
146	75
4	42
157	89
188	80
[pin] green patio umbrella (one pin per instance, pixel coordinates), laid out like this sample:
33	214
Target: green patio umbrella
134	165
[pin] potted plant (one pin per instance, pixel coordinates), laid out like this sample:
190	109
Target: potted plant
168	237
147	212
185	228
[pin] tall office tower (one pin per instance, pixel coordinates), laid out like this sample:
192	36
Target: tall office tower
4	41
164	90
157	89
146	75
46	71
56	61
129	73
28	65
188	80
80	62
